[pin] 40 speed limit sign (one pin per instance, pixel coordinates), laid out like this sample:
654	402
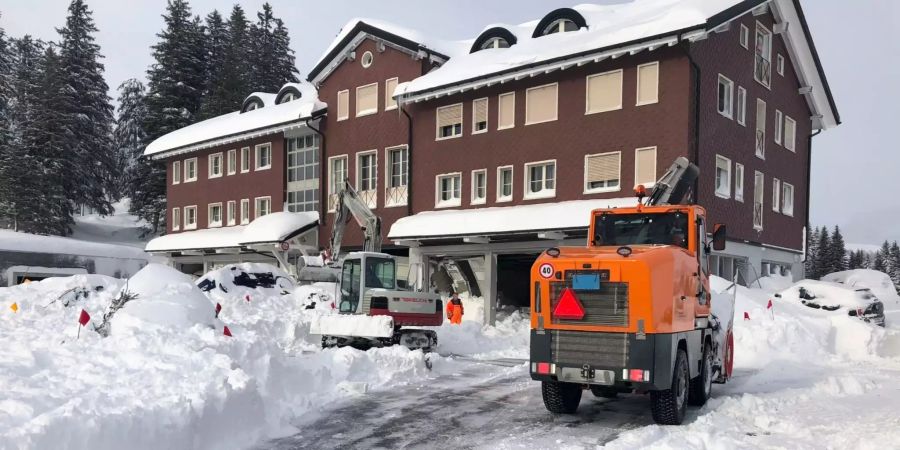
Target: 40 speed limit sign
546	270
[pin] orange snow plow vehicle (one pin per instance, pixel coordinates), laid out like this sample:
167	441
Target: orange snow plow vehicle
631	312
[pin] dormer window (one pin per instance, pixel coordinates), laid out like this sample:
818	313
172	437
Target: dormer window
560	26
287	98
496	42
496	37
252	106
561	20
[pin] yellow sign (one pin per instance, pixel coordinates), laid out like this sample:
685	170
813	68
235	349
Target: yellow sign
14	307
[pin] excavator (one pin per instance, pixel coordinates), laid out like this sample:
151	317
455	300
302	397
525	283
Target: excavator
632	311
373	310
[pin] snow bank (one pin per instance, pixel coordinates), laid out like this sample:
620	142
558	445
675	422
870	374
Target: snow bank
509	338
879	282
353	325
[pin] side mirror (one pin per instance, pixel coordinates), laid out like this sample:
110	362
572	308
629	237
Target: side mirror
719	237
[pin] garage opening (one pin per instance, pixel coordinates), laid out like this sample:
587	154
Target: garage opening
513	279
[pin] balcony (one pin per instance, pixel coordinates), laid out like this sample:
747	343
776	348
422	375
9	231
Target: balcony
762	71
758	215
761	144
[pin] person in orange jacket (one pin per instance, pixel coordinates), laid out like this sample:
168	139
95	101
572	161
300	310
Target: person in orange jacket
455	309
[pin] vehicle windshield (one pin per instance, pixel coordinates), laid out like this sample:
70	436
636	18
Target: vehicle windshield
380	273
670	228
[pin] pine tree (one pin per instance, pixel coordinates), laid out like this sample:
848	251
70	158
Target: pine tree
229	80
823	255
894	258
216	44
6	93
880	263
273	59
856	260
838	251
129	135
87	107
811	266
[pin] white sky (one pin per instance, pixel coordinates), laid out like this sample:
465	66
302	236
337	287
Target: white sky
855	166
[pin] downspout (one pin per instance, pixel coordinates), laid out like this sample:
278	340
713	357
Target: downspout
696	143
323	194
409	161
808	184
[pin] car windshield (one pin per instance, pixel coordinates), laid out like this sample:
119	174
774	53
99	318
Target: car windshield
668	228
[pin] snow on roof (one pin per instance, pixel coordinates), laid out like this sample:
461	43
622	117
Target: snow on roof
271	228
268	99
233	125
33	243
508	219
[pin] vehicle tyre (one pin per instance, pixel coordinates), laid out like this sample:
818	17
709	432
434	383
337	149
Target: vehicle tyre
560	398
604	391
701	386
669	405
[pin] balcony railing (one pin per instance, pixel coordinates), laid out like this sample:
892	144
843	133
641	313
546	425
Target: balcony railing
758	215
762	70
395	196
370	197
761	143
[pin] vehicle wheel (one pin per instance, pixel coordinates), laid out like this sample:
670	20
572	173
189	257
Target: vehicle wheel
701	386
560	398
604	391
669	405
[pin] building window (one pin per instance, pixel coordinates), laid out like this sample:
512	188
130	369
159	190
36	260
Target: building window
779	64
479	115
760	128
176	172
343	105
790	133
739	182
245	159
232	162
779	126
449	190
541	104
176	219
190	170
367	99
723	177
190	217
540	180
337	173
367	59
504	183
645	166
215	215
604	92
389	86
264	156
787	199
506	111
560	26
305	200
303	173
231	214
726	95
762	69
745	36
602	172
495	42
397	176
759	184
449	121
245	211
479	187
263	206
648	83
776	194
367	177
742	106
215	165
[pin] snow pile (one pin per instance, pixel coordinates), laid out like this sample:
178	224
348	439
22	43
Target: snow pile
240	280
509	338
879	282
774	283
353	325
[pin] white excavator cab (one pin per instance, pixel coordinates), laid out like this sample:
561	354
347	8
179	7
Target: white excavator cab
362	272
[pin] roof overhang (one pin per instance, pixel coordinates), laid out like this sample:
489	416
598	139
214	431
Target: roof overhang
298	230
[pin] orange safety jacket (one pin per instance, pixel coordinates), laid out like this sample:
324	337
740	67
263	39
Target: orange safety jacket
455	310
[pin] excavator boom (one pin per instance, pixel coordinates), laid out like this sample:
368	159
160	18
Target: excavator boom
349	204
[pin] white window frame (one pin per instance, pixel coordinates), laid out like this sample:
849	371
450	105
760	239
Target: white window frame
744	38
248	160
785	187
390	103
649	184
209	165
369	196
230	213
487	121
389	196
256	208
719	193
761	187
476	200
346	114
779	64
512	184
367	112
231	161
588	189
779	126
499	103
189	225
776	195
176	219
742	106
738	182
193	163
758	139
768	57
587	92
256	165
176	172
638	87
556	102
790	139
454	202
209	215
332	196
245	211
730	96
437	122
545	192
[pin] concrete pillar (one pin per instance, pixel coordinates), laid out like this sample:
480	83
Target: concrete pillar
490	293
418	262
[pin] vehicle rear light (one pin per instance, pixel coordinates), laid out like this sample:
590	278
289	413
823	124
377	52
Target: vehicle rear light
542	368
636	375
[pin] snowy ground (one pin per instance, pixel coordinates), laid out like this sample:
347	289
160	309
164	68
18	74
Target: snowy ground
119	228
168	377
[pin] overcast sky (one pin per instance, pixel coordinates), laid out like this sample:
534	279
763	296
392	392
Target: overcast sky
856	166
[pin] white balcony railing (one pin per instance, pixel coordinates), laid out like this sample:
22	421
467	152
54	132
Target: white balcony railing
762	70
761	144
395	196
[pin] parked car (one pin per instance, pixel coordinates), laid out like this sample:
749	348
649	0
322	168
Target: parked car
837	297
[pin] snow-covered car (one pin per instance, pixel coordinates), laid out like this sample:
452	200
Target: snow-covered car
248	275
837	297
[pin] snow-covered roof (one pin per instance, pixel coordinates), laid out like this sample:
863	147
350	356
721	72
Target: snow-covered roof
267	98
271	228
33	243
570	215
238	126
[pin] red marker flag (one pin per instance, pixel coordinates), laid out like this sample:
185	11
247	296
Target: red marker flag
769	306
218	309
247	297
226	331
746	315
84	318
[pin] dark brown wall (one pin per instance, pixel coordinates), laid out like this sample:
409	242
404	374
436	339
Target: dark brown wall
722	53
228	187
373	132
573	135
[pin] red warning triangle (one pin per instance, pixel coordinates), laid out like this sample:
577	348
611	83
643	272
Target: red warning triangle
569	307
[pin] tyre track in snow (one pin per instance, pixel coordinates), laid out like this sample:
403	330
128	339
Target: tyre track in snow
480	406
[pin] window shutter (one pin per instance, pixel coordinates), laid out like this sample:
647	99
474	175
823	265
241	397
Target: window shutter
507	110
480	110
760	115
604	92
343	105
449	115
389	87
541	104
648	84
790	133
603	167
366	99
645	161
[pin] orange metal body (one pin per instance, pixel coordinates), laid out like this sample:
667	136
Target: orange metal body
663	280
